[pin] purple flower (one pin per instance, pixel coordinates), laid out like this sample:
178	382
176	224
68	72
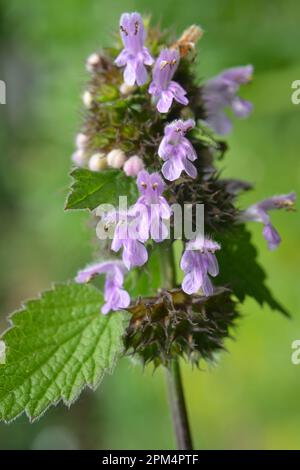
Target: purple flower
221	92
151	207
115	296
135	55
126	236
177	151
197	262
134	252
163	89
259	213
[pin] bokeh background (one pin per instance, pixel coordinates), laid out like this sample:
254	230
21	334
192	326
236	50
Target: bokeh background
251	399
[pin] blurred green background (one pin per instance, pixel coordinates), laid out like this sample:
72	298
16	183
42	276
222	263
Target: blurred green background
251	399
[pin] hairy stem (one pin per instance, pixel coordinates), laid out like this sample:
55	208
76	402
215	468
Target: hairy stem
173	375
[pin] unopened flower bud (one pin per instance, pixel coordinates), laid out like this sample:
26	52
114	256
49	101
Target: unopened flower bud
126	89
79	158
92	62
133	166
2	352
116	158
87	99
97	162
81	140
188	40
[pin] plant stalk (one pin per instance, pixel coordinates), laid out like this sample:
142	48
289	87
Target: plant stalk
174	382
178	407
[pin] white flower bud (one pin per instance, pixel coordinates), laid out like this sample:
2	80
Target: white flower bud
92	62
116	158
81	140
133	166
126	89
2	352
87	99
98	162
79	158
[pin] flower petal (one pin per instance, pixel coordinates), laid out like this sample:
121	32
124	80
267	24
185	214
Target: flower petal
122	58
147	58
187	260
212	264
141	74
165	210
241	108
134	254
130	73
178	93
220	123
190	169
192	281
272	236
172	168
158	229
207	286
165	101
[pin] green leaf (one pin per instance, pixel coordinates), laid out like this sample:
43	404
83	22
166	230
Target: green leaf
90	189
240	270
57	345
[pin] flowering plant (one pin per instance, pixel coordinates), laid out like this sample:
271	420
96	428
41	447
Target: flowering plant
151	135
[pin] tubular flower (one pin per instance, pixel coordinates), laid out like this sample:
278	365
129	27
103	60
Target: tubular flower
221	92
135	55
199	260
259	213
151	208
176	150
162	87
126	236
115	296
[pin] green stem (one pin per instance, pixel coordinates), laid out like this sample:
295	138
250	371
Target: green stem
174	382
167	266
178	407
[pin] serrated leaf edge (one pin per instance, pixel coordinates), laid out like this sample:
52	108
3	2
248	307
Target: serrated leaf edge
68	403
